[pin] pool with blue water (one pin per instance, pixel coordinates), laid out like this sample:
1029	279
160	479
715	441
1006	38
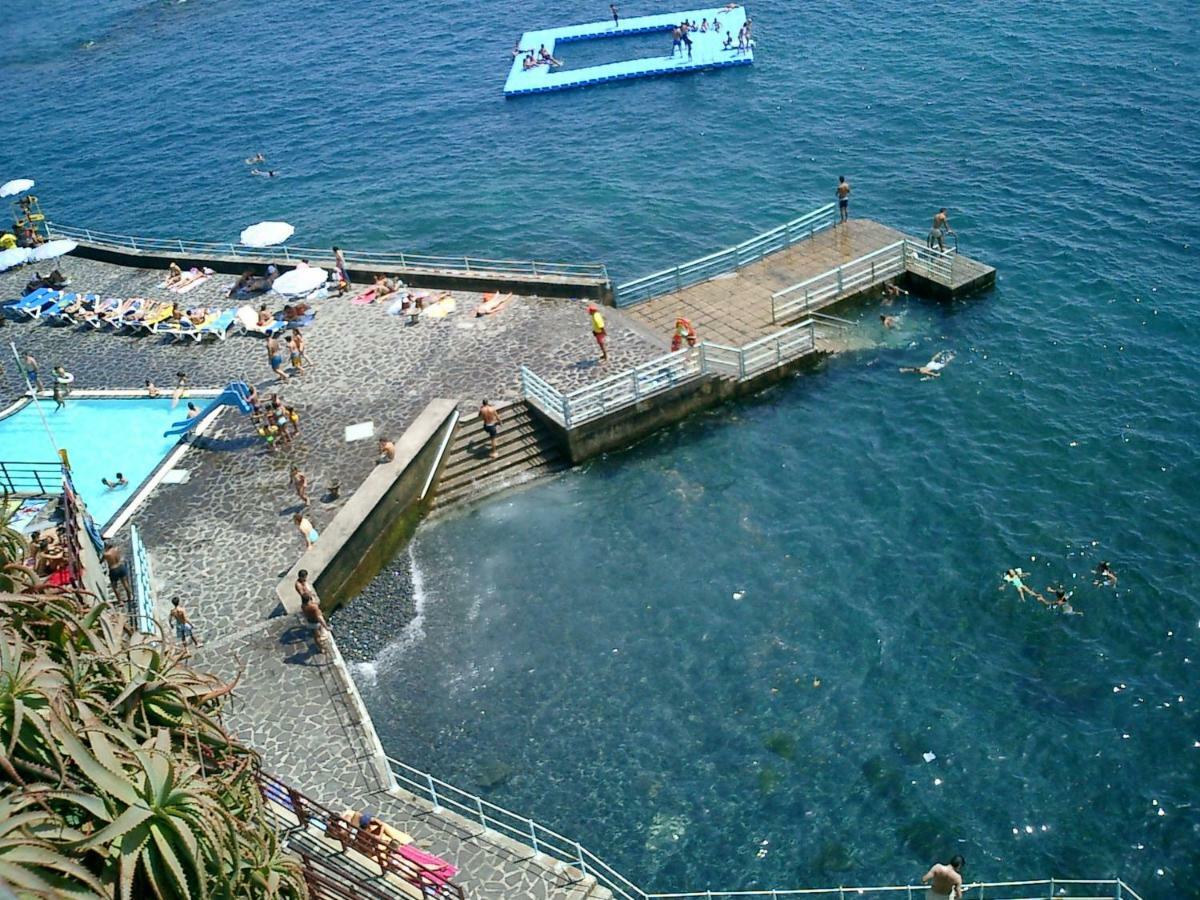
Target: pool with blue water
102	436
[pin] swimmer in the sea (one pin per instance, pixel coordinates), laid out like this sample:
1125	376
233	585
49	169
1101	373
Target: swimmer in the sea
933	368
256	158
889	321
1105	576
1061	600
1015	578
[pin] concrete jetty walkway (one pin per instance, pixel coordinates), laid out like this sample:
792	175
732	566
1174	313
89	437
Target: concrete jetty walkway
736	307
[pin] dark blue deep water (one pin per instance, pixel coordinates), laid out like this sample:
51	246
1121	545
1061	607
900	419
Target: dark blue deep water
754	627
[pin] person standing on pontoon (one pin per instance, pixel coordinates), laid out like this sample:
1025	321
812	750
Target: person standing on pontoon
843	195
941	227
616	16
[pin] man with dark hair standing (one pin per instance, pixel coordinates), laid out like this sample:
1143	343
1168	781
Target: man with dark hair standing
945	882
843	195
616	16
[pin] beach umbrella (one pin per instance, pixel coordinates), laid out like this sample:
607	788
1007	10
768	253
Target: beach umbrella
300	281
13	257
267	234
16	186
52	250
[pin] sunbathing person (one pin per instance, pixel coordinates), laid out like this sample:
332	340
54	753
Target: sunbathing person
264	316
199	315
384	286
122	309
529	62
241	287
81	305
545	57
174	275
728	41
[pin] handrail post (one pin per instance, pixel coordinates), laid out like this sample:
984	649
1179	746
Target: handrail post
637	394
741	364
579	853
180	247
479	807
1050	896
839	280
437	806
703	359
533	837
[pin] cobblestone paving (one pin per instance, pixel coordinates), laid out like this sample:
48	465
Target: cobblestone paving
223	539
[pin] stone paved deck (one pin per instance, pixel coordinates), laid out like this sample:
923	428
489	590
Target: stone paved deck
224	539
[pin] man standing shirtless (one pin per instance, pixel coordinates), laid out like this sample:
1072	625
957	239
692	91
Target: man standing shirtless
843	195
941	227
491	424
118	571
946	880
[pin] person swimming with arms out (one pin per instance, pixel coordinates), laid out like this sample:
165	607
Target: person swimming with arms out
1061	600
933	368
1105	576
1015	577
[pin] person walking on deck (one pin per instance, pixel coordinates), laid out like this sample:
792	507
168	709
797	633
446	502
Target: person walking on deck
275	357
676	42
598	330
941	227
31	371
843	195
945	882
687	41
184	630
118	571
491	424
300	483
616	17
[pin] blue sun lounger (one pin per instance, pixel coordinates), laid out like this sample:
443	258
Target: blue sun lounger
31	305
219	328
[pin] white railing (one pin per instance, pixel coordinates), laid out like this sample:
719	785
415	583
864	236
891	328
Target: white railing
628	388
495	818
363	259
728	260
566	852
822	290
862	274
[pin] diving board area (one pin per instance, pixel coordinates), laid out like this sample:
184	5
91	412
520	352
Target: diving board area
718	46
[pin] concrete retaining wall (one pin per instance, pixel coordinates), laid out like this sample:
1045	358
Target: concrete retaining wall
630	424
378	518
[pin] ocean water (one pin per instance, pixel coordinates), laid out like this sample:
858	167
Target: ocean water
801	591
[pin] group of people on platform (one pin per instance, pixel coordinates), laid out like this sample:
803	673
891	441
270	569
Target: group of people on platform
531	61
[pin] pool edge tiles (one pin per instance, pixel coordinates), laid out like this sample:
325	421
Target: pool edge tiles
707	52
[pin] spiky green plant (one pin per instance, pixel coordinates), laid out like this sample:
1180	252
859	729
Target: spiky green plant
117	778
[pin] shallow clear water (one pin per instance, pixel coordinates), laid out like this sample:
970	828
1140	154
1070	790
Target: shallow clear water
867	516
101	437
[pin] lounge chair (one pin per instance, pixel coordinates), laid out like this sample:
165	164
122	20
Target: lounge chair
247	318
70	313
95	316
31	305
219	327
116	318
185	327
52	311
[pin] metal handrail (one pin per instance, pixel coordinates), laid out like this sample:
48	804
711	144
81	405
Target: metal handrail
596	272
727	260
665	372
37	479
547	842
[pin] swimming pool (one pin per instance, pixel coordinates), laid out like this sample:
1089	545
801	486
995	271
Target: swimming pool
102	436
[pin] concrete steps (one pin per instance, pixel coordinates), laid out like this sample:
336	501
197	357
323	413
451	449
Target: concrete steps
526	448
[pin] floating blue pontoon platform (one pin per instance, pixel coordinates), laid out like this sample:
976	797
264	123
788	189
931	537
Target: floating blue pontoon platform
708	50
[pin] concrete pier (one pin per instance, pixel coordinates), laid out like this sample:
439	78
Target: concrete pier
737	307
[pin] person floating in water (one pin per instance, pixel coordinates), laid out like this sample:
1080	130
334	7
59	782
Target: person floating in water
1105	576
256	158
1061	600
1015	577
270	173
119	481
933	368
889	322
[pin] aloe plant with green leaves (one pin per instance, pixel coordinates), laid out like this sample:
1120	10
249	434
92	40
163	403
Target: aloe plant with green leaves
117	778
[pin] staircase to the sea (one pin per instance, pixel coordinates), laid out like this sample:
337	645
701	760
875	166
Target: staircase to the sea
526	448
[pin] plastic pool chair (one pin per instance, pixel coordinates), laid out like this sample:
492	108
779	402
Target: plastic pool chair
219	327
31	305
93	318
52	311
116	318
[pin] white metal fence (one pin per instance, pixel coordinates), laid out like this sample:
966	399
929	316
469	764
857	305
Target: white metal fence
630	387
862	274
728	260
567	852
362	259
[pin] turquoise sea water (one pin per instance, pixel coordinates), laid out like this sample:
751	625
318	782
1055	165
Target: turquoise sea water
101	437
802	590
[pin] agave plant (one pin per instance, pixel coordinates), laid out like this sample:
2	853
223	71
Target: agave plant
117	778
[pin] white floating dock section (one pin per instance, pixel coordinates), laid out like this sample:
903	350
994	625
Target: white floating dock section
708	51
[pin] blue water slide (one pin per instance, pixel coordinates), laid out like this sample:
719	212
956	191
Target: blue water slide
236	393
